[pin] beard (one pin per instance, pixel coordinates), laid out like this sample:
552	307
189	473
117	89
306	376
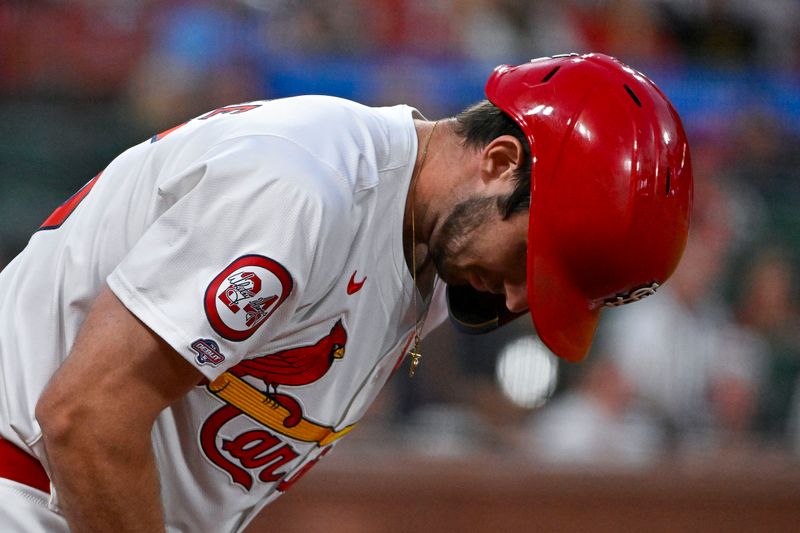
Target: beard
457	230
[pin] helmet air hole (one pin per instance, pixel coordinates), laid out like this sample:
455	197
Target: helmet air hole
633	95
550	74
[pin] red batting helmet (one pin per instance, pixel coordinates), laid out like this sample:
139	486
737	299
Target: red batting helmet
611	190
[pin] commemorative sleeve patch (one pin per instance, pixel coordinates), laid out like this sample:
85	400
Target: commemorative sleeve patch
245	294
207	352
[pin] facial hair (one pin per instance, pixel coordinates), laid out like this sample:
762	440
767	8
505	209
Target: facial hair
462	222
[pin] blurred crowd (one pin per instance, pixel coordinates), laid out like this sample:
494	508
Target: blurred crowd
710	364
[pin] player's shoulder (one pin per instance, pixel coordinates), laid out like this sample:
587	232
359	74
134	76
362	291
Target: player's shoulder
311	115
339	129
319	149
346	113
351	137
273	166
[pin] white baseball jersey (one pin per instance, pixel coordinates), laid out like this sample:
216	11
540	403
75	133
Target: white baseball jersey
263	242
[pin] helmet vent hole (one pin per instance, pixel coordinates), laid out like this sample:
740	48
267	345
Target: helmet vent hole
666	192
633	95
550	74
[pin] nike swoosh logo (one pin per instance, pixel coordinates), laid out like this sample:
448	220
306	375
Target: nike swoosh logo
354	286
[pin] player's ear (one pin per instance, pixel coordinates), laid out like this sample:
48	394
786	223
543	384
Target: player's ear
500	158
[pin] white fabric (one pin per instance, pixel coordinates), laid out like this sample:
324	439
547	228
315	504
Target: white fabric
25	510
307	194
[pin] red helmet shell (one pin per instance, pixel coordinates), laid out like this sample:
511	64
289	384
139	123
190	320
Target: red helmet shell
611	189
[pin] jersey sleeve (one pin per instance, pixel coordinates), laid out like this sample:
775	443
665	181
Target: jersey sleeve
220	272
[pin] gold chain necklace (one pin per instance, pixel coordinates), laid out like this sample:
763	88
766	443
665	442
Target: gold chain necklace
415	353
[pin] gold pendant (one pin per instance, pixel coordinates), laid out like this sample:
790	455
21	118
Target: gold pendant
415	357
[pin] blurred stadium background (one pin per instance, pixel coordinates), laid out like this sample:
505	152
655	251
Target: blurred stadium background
686	414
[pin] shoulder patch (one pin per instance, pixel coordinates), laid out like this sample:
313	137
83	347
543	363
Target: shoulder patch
245	294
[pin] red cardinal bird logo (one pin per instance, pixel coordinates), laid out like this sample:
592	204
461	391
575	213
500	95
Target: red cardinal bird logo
296	366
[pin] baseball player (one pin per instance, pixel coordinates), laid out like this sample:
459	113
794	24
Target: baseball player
203	321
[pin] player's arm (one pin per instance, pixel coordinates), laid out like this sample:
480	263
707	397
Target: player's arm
97	414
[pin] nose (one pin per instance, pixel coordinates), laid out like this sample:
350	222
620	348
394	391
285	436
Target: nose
516	296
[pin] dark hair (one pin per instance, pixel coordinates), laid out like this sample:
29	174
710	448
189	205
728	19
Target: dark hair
480	124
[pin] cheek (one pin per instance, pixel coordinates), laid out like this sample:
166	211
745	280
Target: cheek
510	257
497	247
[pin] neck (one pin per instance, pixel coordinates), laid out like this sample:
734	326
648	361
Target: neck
417	219
438	178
